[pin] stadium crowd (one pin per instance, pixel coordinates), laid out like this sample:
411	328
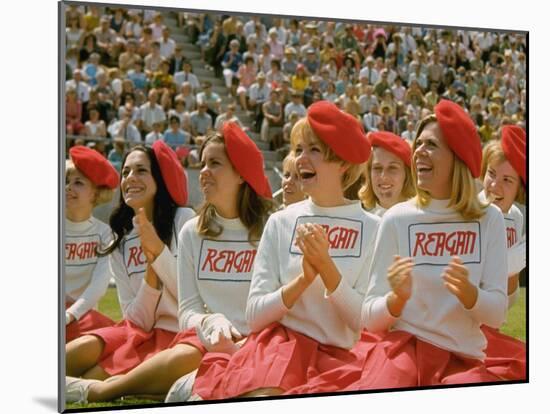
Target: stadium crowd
128	80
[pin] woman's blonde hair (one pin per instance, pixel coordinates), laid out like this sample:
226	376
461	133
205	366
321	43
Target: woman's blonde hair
253	209
366	192
464	199
492	152
302	131
103	194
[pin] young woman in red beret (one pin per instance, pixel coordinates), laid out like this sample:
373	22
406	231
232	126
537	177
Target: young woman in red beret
504	172
436	275
310	273
216	251
90	181
142	256
388	178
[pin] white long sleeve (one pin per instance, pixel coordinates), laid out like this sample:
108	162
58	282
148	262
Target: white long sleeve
214	274
140	303
431	236
329	319
86	275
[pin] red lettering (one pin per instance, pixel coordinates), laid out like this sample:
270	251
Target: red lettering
136	256
71	247
342	237
441	244
511	236
419	244
209	256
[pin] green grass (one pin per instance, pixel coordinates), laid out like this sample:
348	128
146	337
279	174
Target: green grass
515	326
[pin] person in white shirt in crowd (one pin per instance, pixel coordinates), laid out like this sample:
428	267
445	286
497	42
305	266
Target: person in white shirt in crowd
186	75
156	134
295	105
409	134
125	128
89	181
143	260
311	270
79	85
228	115
388	178
201	121
437	273
167	44
372	119
150	112
505	176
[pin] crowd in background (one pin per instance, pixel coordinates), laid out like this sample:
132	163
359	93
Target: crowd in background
129	81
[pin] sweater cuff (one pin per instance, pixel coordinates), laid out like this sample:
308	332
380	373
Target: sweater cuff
487	309
78	309
376	316
163	264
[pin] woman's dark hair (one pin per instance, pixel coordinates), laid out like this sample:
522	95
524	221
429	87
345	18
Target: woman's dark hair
253	209
164	208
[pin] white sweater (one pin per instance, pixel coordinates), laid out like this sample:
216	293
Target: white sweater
431	236
86	275
214	274
378	210
140	303
333	319
515	243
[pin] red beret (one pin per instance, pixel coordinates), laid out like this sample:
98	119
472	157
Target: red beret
182	151
246	158
392	143
94	166
172	172
340	131
460	133
514	145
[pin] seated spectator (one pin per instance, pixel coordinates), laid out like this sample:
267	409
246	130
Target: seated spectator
494	117
247	76
137	76
275	77
73	33
153	59
181	113
177	60
383	84
300	80
372	119
293	117
145	43
398	90
201	121
388	118
486	131
276	47
116	154
257	95
134	27
157	26
118	22
342	82
368	99
409	134
314	87
73	113
295	105
265	58
330	94
162	77
186	95
311	62
212	99
82	89
228	115
272	124
95	127
91	69
289	62
125	128
150	112
167	44
104	34
193	160
127	59
187	75
156	134
231	62
175	136
369	72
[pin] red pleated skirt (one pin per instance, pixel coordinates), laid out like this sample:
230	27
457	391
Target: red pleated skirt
90	321
506	356
398	360
127	346
188	337
276	357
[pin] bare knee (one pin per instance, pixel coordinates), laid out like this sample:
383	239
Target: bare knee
82	354
185	356
264	392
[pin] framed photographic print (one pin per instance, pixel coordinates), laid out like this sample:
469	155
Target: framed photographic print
261	205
